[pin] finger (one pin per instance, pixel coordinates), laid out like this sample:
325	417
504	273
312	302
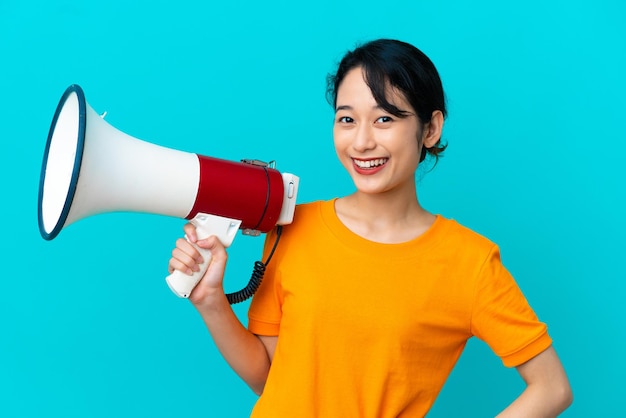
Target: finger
190	249
176	264
185	259
190	232
215	246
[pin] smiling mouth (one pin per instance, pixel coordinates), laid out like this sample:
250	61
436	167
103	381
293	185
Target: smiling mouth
365	164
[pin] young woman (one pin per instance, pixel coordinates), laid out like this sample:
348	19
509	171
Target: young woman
369	299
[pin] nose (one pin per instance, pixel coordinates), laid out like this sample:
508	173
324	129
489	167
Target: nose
364	138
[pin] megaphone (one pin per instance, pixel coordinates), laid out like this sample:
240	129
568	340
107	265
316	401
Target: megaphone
90	167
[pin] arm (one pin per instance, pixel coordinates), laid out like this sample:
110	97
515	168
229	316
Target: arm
547	392
243	351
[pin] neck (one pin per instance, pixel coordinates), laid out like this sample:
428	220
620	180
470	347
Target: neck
384	217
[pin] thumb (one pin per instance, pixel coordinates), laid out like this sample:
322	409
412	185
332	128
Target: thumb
214	245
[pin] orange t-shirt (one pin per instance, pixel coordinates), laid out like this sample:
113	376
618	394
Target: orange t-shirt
373	330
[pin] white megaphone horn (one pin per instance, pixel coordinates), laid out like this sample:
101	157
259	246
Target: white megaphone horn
89	167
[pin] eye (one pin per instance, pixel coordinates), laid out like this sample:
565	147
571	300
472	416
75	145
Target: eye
384	119
345	119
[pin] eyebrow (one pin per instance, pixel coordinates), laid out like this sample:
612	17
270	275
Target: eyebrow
348	107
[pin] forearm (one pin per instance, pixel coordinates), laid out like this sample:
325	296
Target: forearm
547	393
537	401
242	350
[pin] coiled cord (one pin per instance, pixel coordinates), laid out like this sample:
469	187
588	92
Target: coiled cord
257	276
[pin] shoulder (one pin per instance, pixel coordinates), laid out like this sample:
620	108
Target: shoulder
311	212
307	217
460	238
309	207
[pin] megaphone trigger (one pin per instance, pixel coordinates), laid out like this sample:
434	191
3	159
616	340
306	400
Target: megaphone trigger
222	227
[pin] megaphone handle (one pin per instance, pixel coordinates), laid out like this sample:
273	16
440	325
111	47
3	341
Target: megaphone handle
206	225
182	284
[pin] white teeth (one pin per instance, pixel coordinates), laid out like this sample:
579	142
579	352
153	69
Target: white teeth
370	163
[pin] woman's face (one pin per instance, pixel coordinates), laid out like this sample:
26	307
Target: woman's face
380	151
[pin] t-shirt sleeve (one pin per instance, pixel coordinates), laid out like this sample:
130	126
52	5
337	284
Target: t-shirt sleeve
502	317
265	310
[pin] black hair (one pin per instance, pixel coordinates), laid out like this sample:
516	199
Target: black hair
389	62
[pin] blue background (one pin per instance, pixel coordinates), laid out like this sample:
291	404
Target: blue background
535	162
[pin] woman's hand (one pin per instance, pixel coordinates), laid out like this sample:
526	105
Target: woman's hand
187	259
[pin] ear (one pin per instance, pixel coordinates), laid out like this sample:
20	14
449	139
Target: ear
433	129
